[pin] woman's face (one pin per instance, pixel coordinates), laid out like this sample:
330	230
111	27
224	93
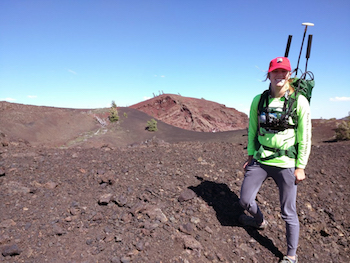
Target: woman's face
279	77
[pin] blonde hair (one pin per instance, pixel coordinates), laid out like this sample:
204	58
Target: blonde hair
291	89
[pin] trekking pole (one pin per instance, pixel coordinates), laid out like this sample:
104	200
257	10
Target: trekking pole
302	43
288	46
309	41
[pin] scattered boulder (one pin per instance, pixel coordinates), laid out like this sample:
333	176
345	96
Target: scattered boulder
10	250
186	195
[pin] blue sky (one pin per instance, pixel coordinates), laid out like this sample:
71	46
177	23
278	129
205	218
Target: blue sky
86	53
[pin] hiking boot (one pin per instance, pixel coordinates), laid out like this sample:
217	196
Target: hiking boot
250	221
288	260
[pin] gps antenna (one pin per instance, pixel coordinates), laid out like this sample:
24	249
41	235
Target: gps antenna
302	43
288	46
309	41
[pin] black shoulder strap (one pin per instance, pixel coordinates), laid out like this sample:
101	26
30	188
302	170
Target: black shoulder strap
288	106
264	98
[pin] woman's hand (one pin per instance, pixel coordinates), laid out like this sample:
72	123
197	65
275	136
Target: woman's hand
250	159
299	175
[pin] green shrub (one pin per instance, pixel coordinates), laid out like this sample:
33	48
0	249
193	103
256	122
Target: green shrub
152	125
342	132
113	113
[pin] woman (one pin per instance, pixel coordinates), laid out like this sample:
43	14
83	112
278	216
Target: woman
265	138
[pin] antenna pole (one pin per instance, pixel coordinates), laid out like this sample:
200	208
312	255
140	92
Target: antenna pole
309	42
288	46
302	44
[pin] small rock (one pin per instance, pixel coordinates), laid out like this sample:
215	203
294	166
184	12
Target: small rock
239	173
186	195
50	185
74	211
57	230
118	239
126	217
309	206
121	200
2	171
107	178
139	207
191	243
195	220
108	230
97	217
155	212
98	249
7	223
324	232
220	257
115	260
109	238
11	250
125	259
150	226
210	255
208	229
105	199
4	239
140	246
187	228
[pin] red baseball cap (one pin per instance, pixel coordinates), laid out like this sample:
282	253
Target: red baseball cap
280	62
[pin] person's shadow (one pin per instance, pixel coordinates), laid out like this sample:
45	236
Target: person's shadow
225	203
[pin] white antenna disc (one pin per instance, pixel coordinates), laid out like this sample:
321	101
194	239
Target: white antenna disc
307	24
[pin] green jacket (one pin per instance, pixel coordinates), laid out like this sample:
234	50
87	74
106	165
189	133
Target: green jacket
283	139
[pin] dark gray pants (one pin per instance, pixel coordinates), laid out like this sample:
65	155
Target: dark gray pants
256	174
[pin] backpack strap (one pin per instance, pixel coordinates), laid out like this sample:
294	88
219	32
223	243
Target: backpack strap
290	100
291	152
264	99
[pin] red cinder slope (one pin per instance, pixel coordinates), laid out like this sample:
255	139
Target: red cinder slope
193	114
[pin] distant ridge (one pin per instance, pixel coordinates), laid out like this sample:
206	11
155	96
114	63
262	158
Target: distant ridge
193	114
62	127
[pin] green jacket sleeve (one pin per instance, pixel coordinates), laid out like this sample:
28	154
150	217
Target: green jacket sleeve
253	125
303	132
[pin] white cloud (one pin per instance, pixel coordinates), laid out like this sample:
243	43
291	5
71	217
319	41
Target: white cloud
340	99
32	96
162	76
146	98
9	99
71	71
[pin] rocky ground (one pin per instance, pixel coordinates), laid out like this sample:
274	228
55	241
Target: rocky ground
161	200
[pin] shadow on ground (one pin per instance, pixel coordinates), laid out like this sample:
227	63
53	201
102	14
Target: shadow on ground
227	208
